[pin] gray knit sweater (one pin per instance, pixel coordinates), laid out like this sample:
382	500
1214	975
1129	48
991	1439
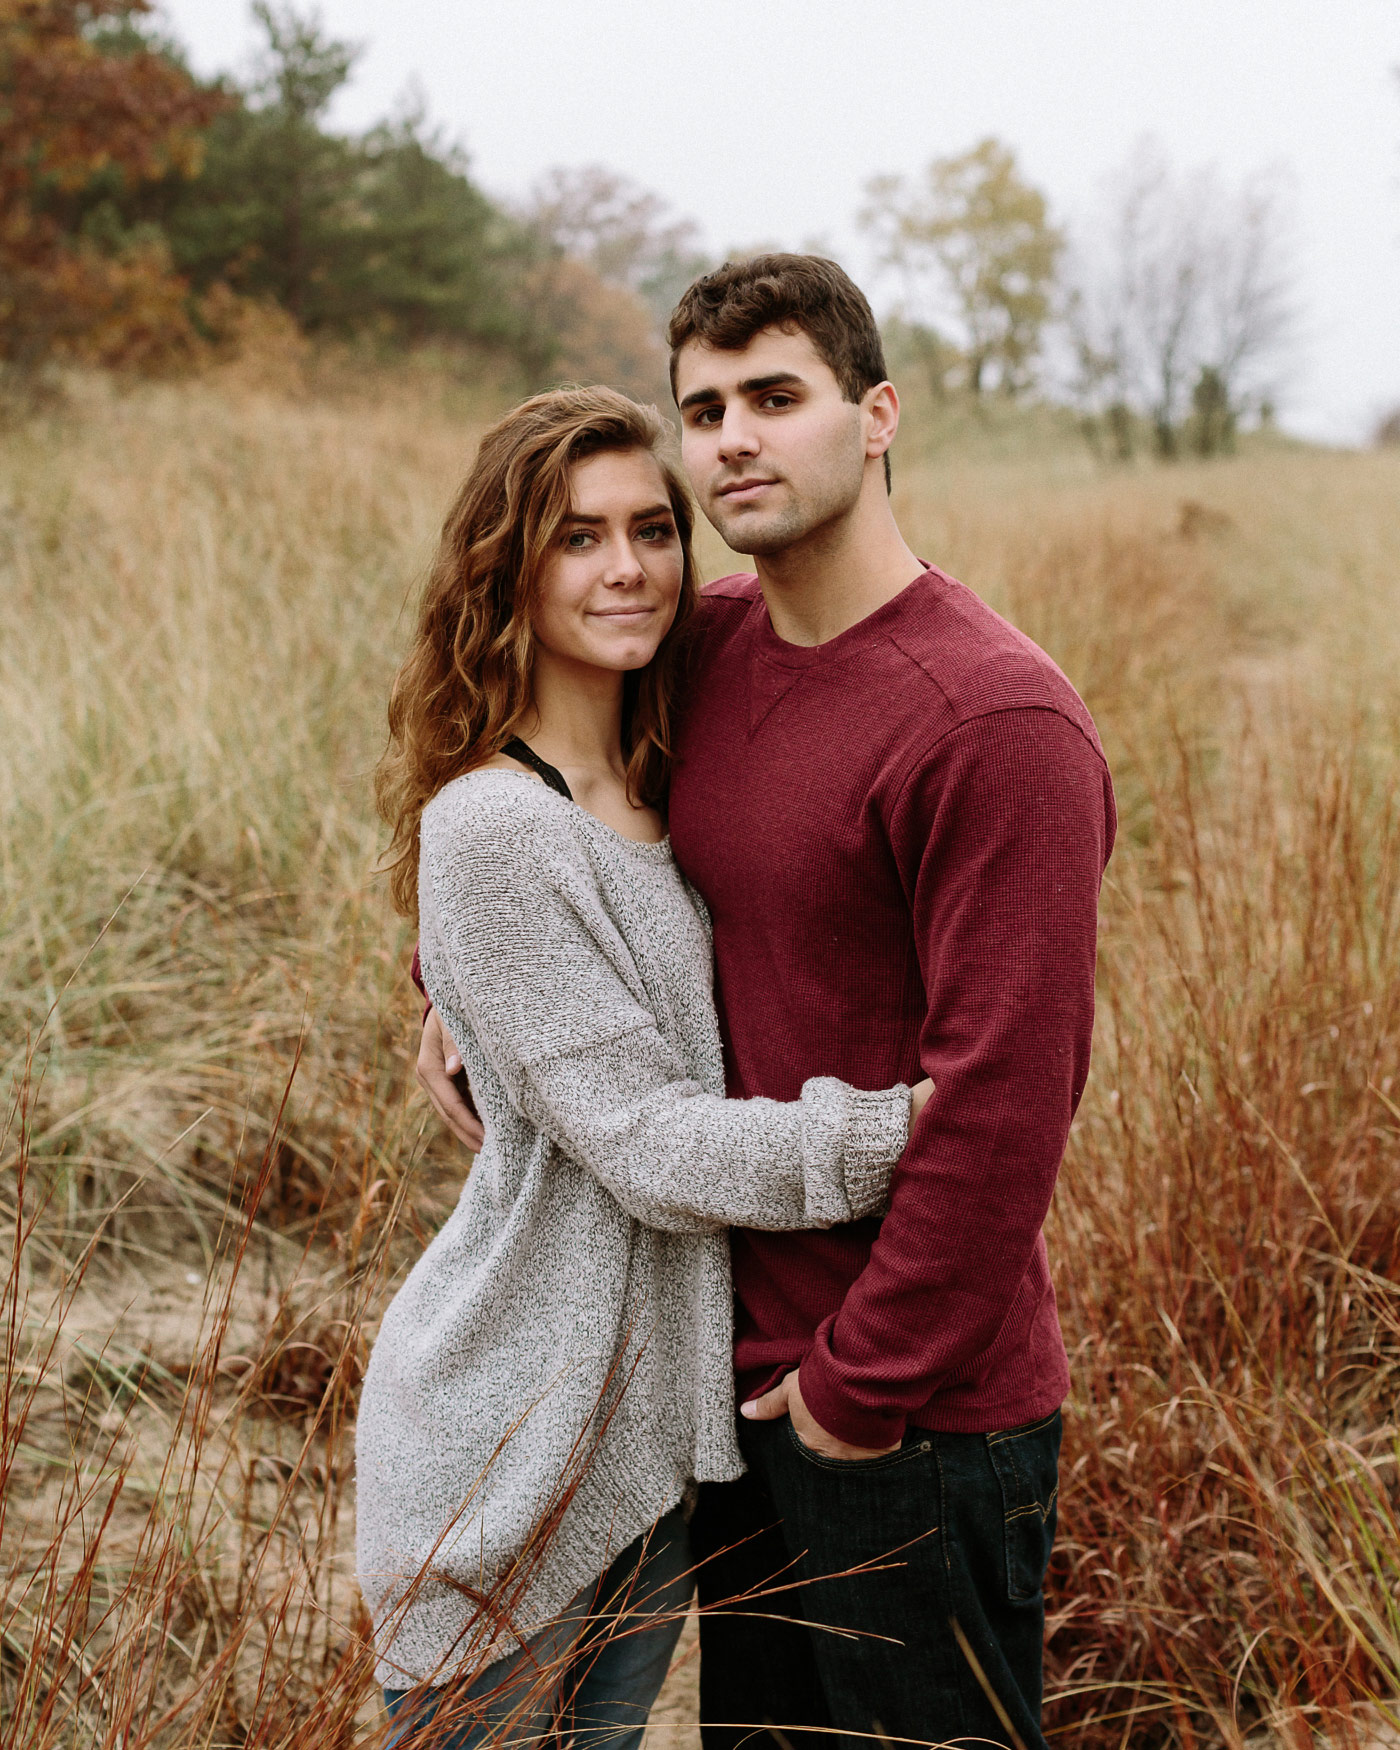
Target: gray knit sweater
562	1348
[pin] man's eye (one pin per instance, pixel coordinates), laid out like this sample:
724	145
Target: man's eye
708	416
777	401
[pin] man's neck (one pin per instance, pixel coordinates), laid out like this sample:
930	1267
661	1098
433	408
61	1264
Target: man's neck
838	575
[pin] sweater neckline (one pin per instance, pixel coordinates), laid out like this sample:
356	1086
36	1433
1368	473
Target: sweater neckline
868	631
652	850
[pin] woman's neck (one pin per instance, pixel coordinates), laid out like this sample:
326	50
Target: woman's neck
575	724
575	719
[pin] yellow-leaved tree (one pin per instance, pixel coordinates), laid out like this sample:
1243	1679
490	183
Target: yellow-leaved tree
975	246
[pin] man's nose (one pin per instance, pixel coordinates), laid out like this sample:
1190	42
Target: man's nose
738	437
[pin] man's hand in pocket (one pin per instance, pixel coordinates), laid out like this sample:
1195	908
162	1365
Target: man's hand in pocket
785	1399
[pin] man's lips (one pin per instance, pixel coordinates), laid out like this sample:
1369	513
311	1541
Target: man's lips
743	489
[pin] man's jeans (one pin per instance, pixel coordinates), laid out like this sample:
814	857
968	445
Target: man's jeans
952	1532
595	1672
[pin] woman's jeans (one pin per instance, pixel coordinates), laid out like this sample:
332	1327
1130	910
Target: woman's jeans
599	1665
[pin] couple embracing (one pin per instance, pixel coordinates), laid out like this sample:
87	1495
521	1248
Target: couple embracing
762	917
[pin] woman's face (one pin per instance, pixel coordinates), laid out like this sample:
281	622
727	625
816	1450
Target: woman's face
609	589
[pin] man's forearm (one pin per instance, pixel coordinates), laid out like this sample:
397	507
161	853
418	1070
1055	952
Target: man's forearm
1005	911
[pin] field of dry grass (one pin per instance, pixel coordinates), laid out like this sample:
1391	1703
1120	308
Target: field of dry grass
204	588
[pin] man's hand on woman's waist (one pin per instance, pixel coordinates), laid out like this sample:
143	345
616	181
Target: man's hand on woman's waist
439	1071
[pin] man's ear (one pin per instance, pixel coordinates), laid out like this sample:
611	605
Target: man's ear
880	407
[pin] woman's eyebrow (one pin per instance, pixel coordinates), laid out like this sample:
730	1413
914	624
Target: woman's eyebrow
582	516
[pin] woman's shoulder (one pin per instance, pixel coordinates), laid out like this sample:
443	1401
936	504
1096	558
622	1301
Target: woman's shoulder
506	815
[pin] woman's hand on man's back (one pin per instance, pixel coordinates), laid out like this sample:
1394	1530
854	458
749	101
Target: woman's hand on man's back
918	1098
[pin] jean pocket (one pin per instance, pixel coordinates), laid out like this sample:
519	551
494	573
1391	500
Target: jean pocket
913	1445
1027	1463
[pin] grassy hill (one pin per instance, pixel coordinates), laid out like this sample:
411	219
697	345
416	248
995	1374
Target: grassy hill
203	989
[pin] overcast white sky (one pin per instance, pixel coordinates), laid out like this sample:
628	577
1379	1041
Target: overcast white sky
762	119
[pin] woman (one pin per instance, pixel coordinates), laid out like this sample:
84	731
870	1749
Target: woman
555	1372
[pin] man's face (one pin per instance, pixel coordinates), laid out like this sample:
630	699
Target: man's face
773	450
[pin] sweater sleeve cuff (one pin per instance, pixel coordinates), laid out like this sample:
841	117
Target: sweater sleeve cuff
854	1423
851	1139
862	1129
879	1134
877	1128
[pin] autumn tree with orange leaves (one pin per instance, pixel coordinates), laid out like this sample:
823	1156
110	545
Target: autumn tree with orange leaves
145	216
79	102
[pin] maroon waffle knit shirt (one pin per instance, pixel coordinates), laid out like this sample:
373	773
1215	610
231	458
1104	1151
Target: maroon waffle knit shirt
900	835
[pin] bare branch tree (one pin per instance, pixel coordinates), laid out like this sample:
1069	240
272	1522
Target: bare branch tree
624	232
1250	308
1181	303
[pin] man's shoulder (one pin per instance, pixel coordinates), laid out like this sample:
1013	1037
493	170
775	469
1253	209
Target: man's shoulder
738	586
723	607
727	603
977	662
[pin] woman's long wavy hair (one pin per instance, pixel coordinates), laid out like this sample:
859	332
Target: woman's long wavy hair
465	685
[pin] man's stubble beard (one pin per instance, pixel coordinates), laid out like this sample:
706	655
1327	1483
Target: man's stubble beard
833	498
777	533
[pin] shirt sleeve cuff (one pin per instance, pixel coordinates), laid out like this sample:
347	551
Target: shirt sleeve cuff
856	1424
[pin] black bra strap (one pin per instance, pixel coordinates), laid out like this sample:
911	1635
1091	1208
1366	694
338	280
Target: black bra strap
522	751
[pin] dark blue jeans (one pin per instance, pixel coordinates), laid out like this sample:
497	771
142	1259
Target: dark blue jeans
591	1676
946	1624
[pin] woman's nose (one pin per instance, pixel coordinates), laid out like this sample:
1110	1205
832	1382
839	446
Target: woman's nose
625	568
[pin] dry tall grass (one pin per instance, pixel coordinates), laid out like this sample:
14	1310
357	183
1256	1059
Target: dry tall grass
203	588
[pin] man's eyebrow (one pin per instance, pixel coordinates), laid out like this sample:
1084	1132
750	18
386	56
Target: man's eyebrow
749	386
778	380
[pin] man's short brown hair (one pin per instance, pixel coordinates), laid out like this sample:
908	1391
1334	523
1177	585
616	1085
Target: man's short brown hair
726	308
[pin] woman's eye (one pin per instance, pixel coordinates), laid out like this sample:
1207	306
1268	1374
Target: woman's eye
577	539
656	532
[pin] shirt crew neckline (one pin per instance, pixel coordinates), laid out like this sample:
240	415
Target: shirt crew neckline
865	632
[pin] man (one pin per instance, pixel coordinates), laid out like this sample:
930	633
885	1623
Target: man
898	813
